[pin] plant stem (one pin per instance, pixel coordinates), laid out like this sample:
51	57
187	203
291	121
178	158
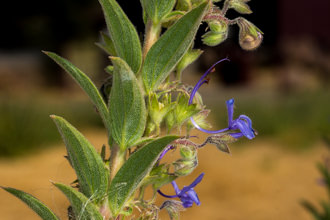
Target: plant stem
151	36
178	75
117	159
225	8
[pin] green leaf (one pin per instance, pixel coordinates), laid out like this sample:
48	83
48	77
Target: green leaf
86	84
164	55
123	34
36	205
127	106
83	208
131	174
90	169
107	45
157	9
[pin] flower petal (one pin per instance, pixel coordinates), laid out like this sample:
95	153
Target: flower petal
230	110
193	196
244	127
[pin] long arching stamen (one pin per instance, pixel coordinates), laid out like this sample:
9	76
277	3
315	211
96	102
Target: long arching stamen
166	196
201	81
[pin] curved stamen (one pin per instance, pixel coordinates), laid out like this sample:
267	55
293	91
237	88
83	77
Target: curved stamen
242	123
201	81
169	147
166	196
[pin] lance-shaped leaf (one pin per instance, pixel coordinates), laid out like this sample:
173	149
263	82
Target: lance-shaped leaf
83	207
123	34
42	210
127	106
131	174
87	163
107	45
86	84
157	9
164	55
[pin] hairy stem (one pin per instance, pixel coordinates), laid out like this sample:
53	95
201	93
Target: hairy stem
117	159
151	36
225	8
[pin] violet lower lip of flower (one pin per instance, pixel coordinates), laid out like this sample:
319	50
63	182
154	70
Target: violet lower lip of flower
242	123
187	195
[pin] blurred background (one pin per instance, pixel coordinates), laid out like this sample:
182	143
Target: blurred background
283	86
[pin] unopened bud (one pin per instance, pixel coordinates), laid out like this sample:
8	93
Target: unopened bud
188	152
173	208
218	26
183	5
250	37
213	39
240	6
184	167
188	59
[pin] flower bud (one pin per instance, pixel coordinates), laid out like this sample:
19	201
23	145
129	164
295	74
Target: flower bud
188	59
250	37
240	6
188	152
213	39
183	167
218	26
183	5
173	208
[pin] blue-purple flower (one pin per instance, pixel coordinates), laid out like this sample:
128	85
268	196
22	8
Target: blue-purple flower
187	195
243	123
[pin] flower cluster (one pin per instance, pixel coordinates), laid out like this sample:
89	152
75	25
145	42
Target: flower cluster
242	123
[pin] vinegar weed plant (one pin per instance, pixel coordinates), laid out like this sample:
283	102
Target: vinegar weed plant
144	110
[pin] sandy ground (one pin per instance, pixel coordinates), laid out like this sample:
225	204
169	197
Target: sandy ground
257	182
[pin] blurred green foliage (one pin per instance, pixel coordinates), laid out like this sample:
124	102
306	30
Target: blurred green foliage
25	124
295	120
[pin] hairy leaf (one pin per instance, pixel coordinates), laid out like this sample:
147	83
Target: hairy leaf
164	55
127	106
107	45
86	84
157	9
131	174
123	34
42	210
87	163
82	206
